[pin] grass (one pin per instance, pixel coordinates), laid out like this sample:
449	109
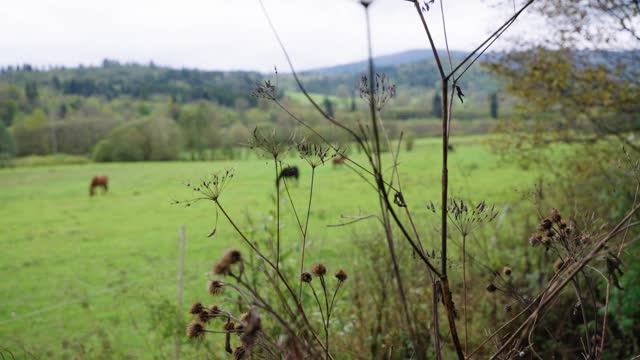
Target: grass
47	160
82	276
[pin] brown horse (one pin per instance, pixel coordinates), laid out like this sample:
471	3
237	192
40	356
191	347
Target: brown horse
339	160
98	181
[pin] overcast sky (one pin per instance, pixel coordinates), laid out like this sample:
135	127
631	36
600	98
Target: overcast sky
230	34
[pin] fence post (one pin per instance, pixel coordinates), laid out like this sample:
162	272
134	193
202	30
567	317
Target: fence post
180	285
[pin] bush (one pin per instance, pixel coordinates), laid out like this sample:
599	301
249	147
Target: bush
142	140
7	144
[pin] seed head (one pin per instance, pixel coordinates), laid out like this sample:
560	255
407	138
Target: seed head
555	215
506	270
535	240
306	277
216	287
244	317
252	328
230	325
382	90
196	308
316	155
220	268
266	91
214	310
491	288
508	308
546	224
232	256
229	258
239	327
270	143
195	330
318	270
209	187
341	275
203	316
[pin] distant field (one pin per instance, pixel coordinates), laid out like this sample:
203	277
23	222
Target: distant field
85	276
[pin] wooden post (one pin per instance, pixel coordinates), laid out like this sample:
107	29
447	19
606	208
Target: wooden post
180	285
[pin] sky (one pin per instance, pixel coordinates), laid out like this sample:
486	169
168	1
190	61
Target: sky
233	34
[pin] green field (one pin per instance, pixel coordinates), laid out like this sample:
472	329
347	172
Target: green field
86	276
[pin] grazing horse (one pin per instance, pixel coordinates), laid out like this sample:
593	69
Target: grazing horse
339	160
288	172
98	181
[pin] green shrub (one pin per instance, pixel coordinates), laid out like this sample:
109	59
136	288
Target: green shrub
142	140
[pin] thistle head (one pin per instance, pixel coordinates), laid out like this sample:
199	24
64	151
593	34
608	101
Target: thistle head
318	270
195	330
341	275
306	277
196	308
215	287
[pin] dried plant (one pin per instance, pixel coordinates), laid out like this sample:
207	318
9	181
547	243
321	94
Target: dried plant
276	322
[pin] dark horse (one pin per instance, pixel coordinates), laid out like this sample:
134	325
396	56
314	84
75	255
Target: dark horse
98	181
288	172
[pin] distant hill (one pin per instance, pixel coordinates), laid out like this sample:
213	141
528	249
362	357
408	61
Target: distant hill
396	59
411	69
114	79
407	69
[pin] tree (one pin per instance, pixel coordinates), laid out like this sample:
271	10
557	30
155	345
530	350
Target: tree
8	109
200	129
31	91
436	108
573	76
55	81
7	144
328	106
62	111
32	135
11	100
141	140
493	105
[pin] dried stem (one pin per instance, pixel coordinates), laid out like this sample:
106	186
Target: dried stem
304	234
554	288
377	168
277	216
464	292
278	273
600	352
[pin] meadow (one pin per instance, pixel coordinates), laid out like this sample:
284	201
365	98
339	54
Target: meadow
95	277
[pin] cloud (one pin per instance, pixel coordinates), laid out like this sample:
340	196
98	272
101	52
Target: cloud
224	34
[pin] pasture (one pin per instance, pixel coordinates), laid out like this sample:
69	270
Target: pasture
96	277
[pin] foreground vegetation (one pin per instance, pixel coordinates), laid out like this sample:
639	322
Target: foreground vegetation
102	270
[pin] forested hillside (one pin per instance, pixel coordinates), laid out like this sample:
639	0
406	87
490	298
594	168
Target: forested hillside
135	112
